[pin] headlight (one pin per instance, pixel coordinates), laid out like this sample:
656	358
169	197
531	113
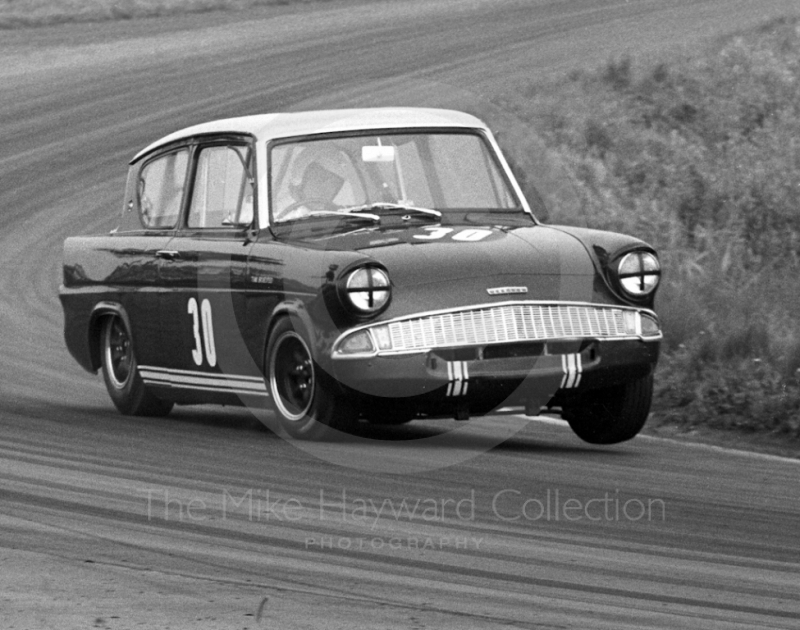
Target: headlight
638	273
367	289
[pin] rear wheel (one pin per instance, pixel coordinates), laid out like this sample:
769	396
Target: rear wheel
124	385
302	394
611	415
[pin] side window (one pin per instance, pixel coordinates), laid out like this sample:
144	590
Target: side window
223	193
161	184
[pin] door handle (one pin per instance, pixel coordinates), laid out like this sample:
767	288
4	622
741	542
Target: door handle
168	254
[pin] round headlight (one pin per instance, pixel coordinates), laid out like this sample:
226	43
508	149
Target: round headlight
639	273
368	289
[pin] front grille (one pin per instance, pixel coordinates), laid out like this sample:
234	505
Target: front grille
508	324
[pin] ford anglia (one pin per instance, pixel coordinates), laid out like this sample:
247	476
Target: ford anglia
350	266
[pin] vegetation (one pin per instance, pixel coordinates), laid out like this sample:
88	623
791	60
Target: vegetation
700	157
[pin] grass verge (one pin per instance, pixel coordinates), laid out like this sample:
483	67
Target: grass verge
700	156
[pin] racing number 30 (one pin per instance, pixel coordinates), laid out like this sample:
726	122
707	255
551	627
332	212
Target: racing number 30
470	234
202	316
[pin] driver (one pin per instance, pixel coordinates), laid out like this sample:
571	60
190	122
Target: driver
316	191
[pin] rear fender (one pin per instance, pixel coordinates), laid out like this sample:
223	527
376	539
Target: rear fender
101	310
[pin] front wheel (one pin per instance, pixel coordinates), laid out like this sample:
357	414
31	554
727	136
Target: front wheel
611	415
124	385
302	394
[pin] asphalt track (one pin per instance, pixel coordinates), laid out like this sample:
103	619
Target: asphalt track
208	520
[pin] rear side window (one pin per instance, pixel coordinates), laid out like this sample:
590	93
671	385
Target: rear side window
161	185
222	194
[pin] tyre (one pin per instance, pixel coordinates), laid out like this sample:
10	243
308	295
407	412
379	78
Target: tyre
302	394
611	415
124	385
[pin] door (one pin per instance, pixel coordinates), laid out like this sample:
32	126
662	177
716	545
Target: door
154	198
204	306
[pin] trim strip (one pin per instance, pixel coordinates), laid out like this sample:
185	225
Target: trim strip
203	381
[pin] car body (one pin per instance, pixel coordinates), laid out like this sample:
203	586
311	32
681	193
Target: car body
344	266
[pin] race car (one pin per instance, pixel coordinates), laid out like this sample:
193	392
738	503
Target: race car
358	265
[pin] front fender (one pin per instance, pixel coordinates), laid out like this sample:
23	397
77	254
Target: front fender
297	310
605	248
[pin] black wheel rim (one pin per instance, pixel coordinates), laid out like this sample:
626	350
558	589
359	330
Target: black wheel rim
119	353
292	376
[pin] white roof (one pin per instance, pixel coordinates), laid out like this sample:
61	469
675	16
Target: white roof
266	127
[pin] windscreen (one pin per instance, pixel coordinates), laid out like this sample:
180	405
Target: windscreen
444	171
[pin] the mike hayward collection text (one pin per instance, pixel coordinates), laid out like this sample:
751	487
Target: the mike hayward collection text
508	505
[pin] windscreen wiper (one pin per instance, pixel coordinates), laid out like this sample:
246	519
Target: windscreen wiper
345	212
365	209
